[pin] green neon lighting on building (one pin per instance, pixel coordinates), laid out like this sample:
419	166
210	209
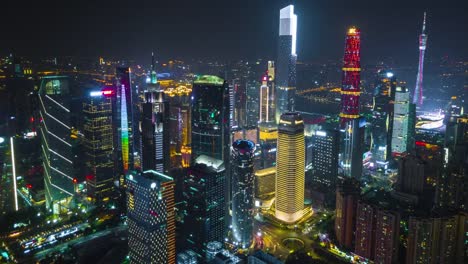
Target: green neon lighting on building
209	79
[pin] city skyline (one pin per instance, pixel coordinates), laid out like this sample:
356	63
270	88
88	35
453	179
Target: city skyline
278	159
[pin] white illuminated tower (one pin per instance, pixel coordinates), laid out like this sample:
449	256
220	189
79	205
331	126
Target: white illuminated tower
264	101
286	62
418	90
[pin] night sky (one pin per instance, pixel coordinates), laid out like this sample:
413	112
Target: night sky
229	29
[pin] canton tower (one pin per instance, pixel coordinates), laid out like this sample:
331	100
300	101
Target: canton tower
418	90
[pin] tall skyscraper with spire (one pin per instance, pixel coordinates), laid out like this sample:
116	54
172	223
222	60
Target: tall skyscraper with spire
155	127
418	90
286	62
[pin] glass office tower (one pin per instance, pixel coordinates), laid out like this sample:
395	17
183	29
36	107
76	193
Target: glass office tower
242	164
210	117
55	130
285	76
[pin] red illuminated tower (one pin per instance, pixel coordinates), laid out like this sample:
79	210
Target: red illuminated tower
350	90
351	124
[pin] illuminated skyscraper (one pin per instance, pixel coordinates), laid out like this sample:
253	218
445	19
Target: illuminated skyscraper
350	90
242	164
180	133
266	100
151	218
377	233
403	122
271	79
210	117
290	166
351	152
268	137
382	117
452	183
352	127
97	110
325	148
124	120
365	225
55	131
387	236
347	195
206	211
432	239
252	104
412	172
285	76
155	128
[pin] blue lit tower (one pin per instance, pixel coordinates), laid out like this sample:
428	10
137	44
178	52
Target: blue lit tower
151	218
286	62
155	127
418	90
242	162
55	131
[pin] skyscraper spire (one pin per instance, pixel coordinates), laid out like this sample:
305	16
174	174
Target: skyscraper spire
424	24
418	90
153	77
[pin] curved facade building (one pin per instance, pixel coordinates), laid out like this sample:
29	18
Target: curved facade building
290	165
242	152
